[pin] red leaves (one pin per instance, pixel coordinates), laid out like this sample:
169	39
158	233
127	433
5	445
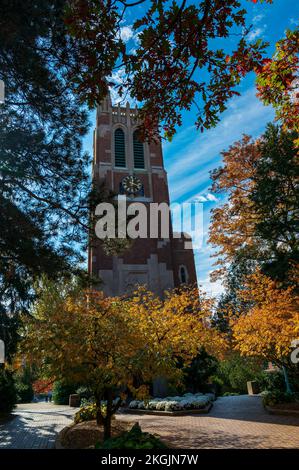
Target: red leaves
275	78
42	386
174	50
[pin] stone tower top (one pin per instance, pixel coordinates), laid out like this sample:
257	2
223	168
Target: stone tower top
118	114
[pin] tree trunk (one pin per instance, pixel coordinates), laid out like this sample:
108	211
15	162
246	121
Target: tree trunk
107	428
108	417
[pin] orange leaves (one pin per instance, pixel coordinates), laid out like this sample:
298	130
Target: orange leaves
233	223
107	341
42	386
269	327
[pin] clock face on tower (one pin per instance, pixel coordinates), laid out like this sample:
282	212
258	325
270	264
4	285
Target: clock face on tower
131	184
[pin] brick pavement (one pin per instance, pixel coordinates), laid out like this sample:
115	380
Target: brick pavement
35	426
233	422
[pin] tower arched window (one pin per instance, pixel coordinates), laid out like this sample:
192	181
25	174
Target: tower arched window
138	150
183	274
119	148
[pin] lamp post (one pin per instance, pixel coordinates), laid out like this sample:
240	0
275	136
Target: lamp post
286	379
2	353
2	92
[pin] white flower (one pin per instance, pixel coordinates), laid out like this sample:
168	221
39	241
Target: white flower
173	406
161	405
188	401
133	404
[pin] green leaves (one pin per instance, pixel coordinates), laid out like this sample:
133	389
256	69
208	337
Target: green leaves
44	183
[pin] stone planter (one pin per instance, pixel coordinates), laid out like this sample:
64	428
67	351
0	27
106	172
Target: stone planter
281	411
74	400
135	411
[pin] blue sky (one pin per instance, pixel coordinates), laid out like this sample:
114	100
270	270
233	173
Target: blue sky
191	155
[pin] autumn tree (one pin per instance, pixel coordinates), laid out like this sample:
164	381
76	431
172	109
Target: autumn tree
269	326
173	65
278	83
258	223
230	303
107	342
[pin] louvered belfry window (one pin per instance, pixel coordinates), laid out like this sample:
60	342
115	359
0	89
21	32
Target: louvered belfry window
119	148
138	151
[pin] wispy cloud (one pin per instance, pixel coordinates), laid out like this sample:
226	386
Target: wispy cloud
191	156
126	33
258	18
208	197
294	21
211	288
119	78
256	33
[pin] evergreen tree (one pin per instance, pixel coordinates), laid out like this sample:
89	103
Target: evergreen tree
276	201
43	170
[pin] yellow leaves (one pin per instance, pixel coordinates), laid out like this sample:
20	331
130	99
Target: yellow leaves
109	341
269	327
177	326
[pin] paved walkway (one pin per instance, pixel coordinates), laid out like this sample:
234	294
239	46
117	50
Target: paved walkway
233	422
35	426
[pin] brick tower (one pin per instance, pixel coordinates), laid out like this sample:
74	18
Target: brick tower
128	166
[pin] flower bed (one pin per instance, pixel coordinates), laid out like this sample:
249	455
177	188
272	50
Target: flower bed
187	402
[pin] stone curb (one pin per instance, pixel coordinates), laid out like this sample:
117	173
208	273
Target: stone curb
277	411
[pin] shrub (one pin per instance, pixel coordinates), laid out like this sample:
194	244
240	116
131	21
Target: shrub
200	370
272	381
24	392
23	385
86	402
85	393
8	396
133	439
218	383
61	392
276	397
236	371
86	413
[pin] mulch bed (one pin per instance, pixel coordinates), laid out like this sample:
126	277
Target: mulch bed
85	435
